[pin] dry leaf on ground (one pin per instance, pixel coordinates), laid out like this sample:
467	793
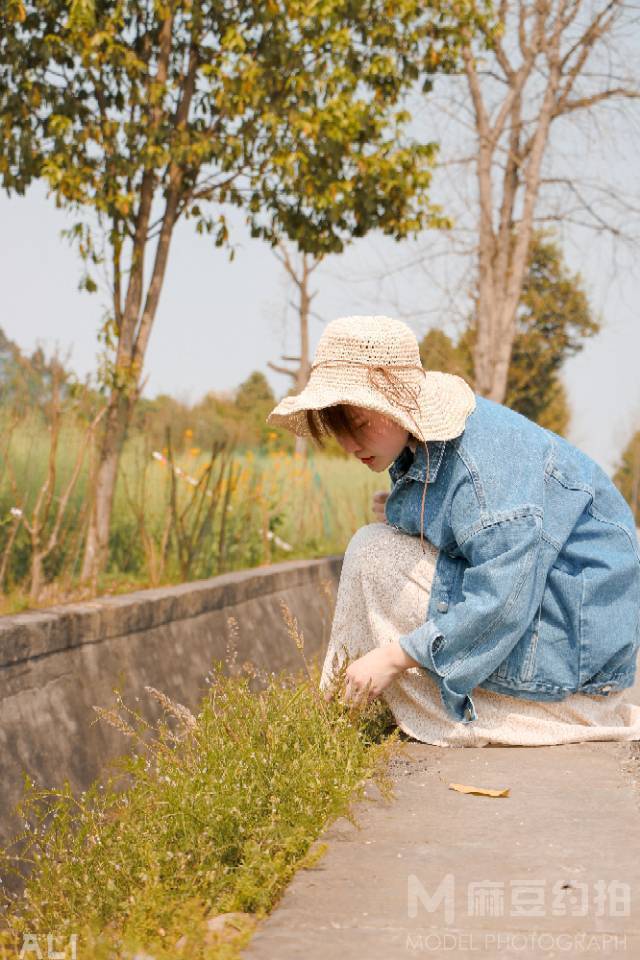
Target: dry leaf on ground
481	791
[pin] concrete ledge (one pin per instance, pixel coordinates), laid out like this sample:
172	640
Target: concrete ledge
56	664
29	635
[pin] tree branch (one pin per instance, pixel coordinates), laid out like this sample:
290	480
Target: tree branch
170	215
584	102
290	373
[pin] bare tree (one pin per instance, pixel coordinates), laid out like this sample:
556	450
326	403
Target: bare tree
537	129
552	61
300	273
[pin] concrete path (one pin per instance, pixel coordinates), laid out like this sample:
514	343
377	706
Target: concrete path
551	871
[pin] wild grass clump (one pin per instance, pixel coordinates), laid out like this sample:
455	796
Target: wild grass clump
176	517
209	814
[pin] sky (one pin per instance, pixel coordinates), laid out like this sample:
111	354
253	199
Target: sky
218	320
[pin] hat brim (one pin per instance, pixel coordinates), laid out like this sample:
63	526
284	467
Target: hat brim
444	402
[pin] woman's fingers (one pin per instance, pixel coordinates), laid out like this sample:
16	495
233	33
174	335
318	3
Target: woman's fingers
358	693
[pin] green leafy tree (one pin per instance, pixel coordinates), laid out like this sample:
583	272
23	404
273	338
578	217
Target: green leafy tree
627	476
255	399
138	113
553	321
153	417
255	392
438	351
26	381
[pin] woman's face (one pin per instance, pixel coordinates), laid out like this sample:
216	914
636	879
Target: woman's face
378	439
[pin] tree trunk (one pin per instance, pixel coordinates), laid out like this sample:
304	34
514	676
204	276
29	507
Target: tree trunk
37	577
104	484
302	377
135	320
135	328
510	152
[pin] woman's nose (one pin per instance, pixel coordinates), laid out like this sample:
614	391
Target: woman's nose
349	443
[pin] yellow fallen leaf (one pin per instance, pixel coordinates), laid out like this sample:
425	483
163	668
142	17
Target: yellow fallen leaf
482	791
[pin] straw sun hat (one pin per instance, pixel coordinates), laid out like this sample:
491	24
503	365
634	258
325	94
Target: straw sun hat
374	362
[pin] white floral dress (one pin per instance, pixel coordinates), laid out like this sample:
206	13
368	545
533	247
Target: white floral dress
383	594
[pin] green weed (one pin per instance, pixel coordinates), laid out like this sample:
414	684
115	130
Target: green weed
207	815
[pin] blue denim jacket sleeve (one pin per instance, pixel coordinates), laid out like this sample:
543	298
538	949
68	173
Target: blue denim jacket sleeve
501	591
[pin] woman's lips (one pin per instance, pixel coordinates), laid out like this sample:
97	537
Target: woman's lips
367	459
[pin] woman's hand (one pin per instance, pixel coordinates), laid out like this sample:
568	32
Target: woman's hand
379	500
370	674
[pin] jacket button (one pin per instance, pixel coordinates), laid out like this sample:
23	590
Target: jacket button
443	606
606	689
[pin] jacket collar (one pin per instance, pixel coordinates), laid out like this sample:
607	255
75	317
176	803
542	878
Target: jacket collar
414	465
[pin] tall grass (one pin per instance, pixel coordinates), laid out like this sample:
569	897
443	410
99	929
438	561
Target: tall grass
276	506
209	815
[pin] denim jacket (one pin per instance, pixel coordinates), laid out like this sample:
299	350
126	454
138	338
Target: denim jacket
536	591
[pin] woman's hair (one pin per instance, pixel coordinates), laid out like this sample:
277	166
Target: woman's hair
334	419
337	418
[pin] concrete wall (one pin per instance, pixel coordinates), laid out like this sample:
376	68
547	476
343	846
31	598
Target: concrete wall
56	664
